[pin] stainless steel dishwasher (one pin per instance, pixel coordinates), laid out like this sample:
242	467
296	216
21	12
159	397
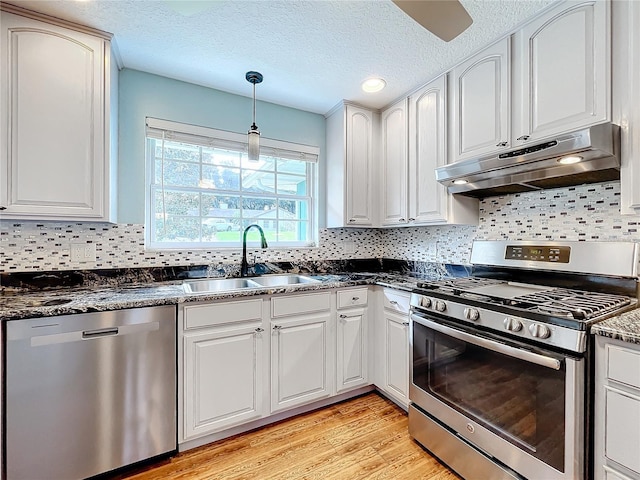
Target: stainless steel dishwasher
88	393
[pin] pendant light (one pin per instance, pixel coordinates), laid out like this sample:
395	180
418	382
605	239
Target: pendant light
253	136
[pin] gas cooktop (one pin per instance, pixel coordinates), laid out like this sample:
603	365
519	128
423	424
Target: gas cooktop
578	305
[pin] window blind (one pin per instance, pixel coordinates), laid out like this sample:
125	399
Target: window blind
212	138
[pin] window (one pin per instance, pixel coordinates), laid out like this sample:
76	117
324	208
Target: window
203	191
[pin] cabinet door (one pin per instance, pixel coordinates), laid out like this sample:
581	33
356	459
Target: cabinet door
622	428
299	360
396	366
481	103
223	379
427	151
359	158
53	107
563	84
352	349
394	165
626	97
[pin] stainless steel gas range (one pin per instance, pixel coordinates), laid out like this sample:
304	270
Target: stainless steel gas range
501	363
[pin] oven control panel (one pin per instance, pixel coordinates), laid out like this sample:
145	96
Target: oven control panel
538	254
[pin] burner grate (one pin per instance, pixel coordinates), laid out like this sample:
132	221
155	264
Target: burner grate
572	303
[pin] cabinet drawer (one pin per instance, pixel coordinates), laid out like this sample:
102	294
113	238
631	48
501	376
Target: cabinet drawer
396	301
198	316
298	304
352	298
623	365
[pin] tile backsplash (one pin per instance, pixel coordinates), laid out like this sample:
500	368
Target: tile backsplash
32	246
588	212
585	212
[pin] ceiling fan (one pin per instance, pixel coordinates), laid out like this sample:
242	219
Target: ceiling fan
444	18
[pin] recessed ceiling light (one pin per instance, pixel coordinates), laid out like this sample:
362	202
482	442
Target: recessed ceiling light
373	84
460	182
570	160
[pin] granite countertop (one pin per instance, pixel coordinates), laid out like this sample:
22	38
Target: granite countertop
625	327
14	306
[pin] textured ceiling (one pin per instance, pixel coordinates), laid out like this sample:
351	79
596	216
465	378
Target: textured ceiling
312	53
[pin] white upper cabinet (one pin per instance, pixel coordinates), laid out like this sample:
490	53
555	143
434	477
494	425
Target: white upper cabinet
427	151
350	164
626	100
429	202
414	144
562	71
55	94
394	170
552	76
481	103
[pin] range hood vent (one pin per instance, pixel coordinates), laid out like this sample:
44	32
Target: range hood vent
539	166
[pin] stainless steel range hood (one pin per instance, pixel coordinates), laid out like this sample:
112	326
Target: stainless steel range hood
539	166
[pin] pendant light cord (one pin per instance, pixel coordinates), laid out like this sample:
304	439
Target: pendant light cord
254	104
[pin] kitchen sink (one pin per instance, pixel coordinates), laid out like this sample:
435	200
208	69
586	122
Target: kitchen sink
218	285
229	284
281	280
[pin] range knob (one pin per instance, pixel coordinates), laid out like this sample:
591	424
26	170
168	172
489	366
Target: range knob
539	331
471	314
425	302
512	324
440	306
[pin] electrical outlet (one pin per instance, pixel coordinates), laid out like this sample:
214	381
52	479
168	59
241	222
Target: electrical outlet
83	252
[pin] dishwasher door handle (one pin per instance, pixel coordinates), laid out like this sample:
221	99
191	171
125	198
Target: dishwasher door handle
81	335
100	332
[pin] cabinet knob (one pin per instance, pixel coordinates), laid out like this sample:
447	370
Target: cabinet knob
523	137
351	220
277	327
401	220
406	324
343	316
3	208
259	330
412	219
355	299
393	302
502	144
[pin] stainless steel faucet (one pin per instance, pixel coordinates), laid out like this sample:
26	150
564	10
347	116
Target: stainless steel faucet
244	268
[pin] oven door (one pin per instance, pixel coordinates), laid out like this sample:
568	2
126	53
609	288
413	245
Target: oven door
519	404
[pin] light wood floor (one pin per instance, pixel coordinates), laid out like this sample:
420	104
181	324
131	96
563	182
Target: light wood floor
362	438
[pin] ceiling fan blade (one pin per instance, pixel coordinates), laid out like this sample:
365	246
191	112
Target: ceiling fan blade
444	18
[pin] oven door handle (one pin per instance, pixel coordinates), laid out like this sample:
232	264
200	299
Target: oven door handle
491	345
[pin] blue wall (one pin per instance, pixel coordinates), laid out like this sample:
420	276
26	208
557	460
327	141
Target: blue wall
145	95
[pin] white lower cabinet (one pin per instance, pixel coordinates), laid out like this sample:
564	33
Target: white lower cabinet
617	410
352	339
301	349
396	359
392	346
224	362
241	361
